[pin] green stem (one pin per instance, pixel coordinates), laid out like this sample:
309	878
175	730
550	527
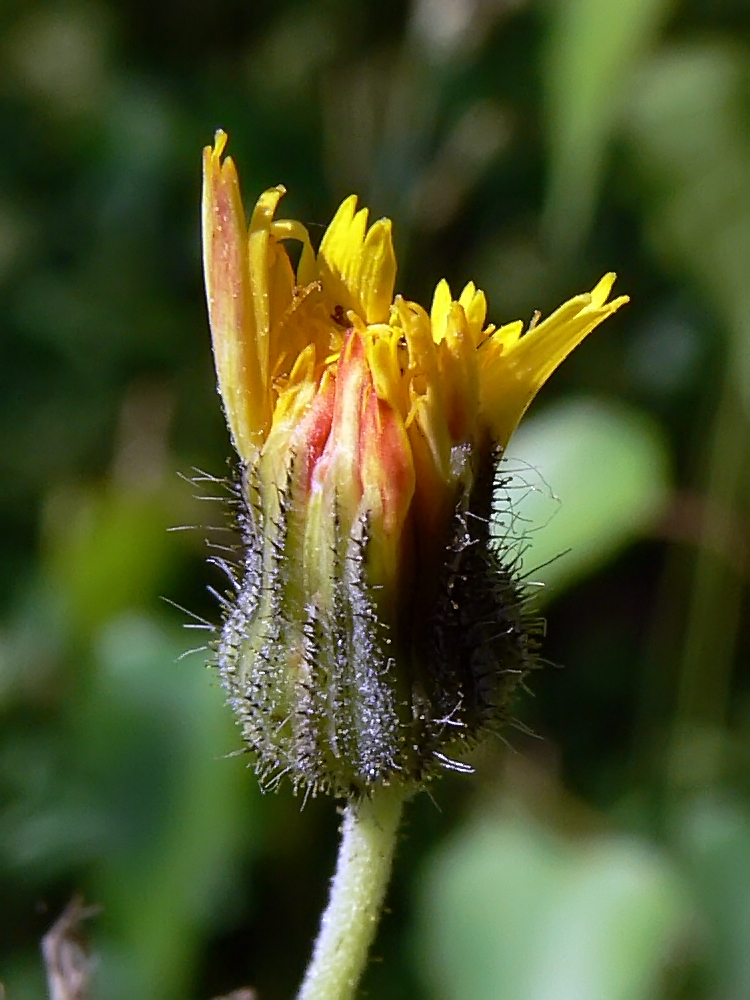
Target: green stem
348	925
715	611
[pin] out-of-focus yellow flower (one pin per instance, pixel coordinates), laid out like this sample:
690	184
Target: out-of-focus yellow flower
366	427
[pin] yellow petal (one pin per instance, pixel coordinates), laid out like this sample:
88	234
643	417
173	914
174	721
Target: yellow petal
474	303
458	370
441	305
511	377
258	241
600	293
358	268
377	272
428	409
230	304
381	343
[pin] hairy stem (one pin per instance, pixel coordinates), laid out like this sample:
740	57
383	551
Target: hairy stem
348	925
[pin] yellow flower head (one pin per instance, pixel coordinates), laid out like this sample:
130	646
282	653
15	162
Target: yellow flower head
366	426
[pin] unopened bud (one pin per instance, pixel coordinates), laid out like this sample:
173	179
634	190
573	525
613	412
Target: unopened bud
379	629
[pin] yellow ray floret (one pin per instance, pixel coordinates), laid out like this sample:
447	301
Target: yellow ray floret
449	379
520	365
356	265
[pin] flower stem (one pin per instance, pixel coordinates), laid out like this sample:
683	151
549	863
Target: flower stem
348	925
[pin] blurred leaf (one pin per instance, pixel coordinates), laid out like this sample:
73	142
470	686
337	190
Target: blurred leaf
689	126
592	50
588	476
110	549
154	736
713	836
688	123
138	790
510	911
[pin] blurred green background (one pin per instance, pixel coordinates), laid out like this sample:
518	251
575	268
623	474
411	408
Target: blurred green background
604	852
